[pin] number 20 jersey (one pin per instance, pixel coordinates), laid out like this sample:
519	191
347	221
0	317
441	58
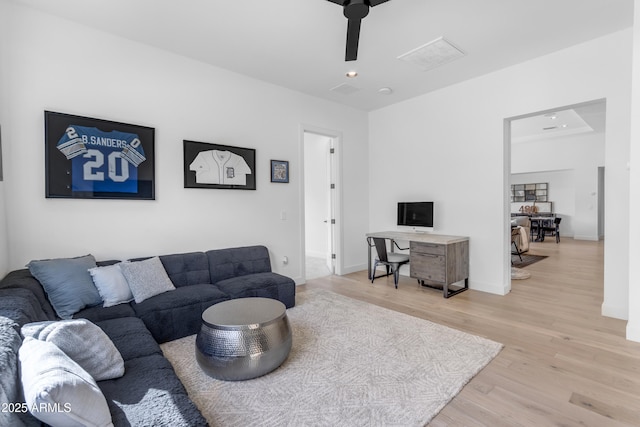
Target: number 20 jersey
102	161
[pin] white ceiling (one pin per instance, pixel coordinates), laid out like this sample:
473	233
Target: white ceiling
299	44
586	118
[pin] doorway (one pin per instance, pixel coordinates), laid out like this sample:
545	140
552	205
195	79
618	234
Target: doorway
563	150
319	165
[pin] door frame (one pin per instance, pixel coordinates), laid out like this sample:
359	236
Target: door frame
336	198
507	177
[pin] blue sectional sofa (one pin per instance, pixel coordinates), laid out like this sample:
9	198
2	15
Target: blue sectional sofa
149	393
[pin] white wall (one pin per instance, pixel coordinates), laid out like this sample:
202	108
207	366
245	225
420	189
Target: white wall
448	146
316	190
633	326
570	166
61	66
4	117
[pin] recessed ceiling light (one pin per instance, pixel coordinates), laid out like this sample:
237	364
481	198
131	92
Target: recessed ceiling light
352	74
385	91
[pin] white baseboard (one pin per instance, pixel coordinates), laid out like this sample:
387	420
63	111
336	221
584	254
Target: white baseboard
579	237
633	332
353	269
489	287
617	312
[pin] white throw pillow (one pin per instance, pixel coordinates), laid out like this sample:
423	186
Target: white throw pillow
146	278
112	285
84	342
57	390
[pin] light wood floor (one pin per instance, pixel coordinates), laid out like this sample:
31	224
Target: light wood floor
563	364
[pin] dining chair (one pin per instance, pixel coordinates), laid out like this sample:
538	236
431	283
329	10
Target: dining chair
554	228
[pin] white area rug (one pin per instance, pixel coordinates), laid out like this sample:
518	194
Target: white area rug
351	364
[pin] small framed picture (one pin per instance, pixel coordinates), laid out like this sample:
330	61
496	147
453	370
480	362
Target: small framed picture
279	171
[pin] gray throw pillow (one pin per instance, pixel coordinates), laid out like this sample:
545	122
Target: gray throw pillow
146	278
67	283
66	393
85	343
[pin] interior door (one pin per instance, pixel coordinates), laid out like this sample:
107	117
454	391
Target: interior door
330	256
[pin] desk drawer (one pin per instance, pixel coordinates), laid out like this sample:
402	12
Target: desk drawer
428	267
427	248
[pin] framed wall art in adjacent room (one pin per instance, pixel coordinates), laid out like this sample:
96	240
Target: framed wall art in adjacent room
279	171
91	158
219	166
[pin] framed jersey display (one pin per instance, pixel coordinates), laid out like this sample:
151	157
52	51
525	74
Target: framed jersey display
98	159
219	166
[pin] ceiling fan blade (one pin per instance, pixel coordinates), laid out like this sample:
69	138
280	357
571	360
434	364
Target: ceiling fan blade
340	2
374	2
353	37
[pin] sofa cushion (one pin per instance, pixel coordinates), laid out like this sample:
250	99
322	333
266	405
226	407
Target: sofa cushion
131	337
187	269
99	313
22	279
235	262
146	278
51	379
85	343
266	285
67	283
178	313
150	394
111	284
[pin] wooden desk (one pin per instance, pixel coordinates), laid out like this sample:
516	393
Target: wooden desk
435	260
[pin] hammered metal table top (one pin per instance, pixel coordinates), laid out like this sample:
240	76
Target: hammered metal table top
243	313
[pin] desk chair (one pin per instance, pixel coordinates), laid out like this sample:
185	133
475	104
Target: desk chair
391	260
554	228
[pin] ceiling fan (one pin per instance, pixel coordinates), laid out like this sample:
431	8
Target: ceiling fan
354	11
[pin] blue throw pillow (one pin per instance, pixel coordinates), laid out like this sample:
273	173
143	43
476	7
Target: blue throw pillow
67	283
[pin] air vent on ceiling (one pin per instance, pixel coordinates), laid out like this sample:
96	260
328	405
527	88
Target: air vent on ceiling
432	54
550	128
345	89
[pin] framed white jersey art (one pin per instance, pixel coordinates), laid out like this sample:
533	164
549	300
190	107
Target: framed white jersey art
219	166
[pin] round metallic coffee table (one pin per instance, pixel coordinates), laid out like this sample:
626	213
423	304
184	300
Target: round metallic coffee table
243	338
